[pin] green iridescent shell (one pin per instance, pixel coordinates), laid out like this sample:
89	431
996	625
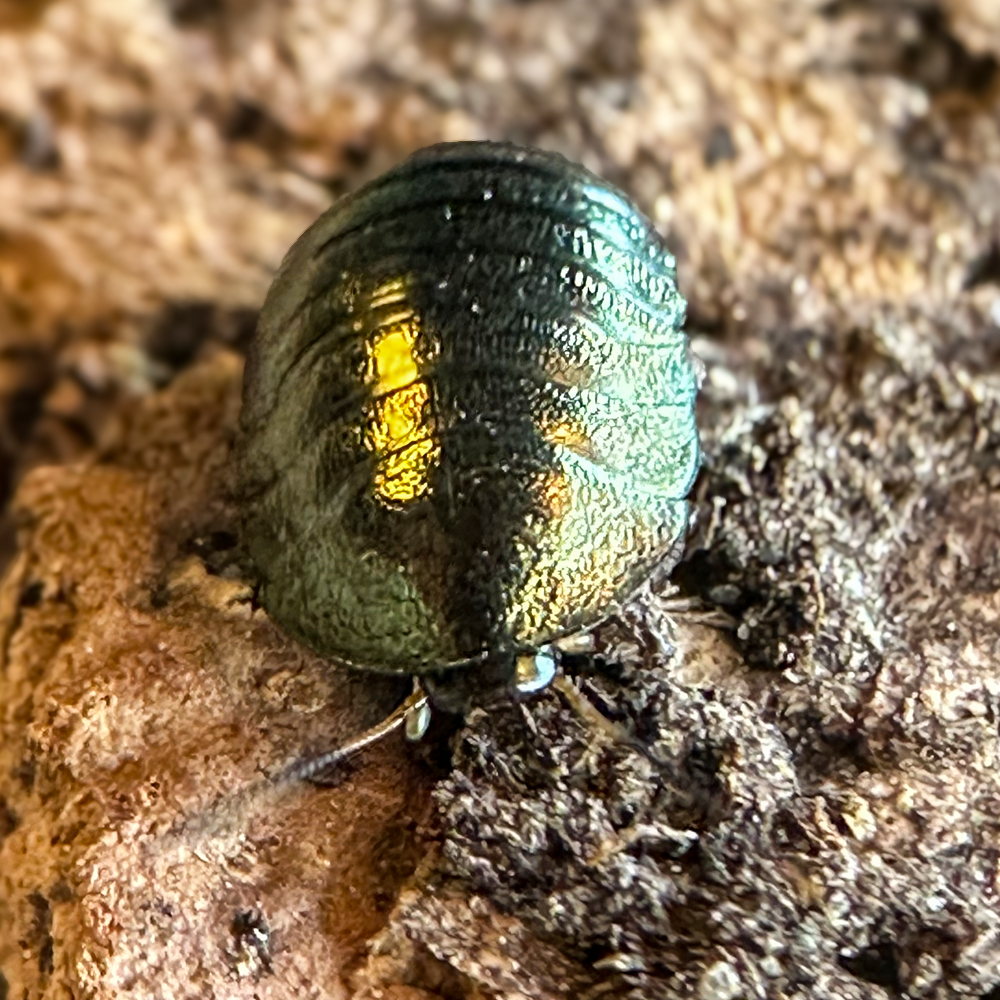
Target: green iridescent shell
468	413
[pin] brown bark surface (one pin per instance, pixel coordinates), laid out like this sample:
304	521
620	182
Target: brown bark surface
826	821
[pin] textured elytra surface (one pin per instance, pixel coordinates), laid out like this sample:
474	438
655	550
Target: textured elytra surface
468	419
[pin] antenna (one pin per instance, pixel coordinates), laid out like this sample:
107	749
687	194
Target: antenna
414	714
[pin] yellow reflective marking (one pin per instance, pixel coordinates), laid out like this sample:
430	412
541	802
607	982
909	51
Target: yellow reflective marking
571	436
394	364
556	494
388	293
398	431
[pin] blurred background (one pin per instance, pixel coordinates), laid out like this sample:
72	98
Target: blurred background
827	171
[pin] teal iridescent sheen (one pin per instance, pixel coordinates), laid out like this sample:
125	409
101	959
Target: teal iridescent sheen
468	424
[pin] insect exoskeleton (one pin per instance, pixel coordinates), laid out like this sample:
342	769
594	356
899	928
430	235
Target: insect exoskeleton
468	417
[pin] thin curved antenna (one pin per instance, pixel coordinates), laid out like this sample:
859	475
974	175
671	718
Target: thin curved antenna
303	770
236	808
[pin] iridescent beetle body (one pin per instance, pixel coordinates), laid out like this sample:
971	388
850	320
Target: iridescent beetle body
468	419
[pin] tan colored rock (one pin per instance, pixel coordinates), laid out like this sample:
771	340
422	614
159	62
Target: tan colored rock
140	693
